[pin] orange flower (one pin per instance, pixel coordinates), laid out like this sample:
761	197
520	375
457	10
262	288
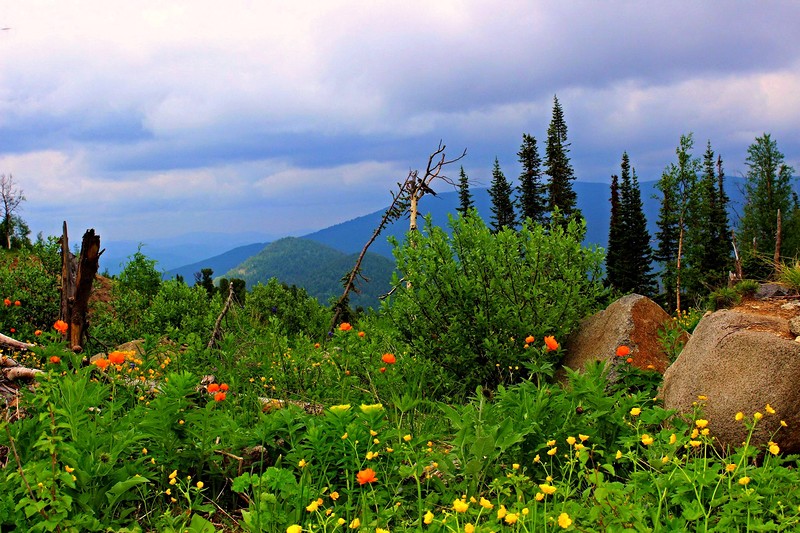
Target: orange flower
623	350
361	334
55	359
13	330
213	388
220	396
7	302
529	339
383	369
366	476
345	326
61	327
551	343
37	332
17	303
629	360
102	364
116	358
223	387
389	358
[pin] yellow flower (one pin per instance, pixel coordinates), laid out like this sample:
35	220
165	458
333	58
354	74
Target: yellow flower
486	504
355	523
571	440
372	432
705	432
168	492
501	512
702	397
428	518
739	416
174	474
371	455
460	506
695	433
339	408
583	438
539	496
69	469
647	440
547	489
173	481
636	411
564	520
381	530
515	466
730	467
371	408
701	423
469	528
769	410
334	495
618	456
144	451
294	529
757	415
551	442
744	480
313	506
774	449
673	438
200	484
302	463
783	423
341	521
665	459
536	459
344	437
511	518
406	438
695	443
552	451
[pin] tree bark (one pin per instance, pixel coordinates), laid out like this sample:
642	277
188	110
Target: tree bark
76	285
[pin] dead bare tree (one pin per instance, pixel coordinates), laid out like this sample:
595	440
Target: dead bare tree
77	277
11	197
405	199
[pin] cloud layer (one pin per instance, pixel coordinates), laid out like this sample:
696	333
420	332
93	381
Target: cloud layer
140	119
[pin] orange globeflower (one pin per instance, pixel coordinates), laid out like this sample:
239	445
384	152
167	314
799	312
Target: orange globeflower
213	388
37	332
530	339
223	387
218	397
102	364
361	334
623	350
345	326
17	303
61	327
7	302
366	476
55	359
389	358
116	358
551	343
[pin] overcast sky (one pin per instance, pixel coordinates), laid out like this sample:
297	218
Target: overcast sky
144	118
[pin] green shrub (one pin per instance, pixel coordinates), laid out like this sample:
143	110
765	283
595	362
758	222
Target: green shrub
290	308
790	275
472	298
723	298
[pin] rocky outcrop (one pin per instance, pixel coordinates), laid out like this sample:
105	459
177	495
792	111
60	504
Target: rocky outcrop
740	362
633	321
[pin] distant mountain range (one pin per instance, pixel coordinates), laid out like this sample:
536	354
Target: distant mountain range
318	261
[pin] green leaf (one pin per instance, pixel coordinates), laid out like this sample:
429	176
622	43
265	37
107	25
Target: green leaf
116	493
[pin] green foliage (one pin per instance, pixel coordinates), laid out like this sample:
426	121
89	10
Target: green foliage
465	202
473	297
532	193
723	298
747	287
29	277
140	275
790	275
561	196
290	309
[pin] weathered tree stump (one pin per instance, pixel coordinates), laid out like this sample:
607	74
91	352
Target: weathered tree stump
77	276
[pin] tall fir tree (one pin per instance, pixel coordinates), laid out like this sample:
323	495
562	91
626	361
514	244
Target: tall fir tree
614	251
503	215
561	195
465	202
638	265
532	198
768	188
629	257
677	186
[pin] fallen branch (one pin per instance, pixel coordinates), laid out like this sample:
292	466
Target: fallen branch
215	334
13	343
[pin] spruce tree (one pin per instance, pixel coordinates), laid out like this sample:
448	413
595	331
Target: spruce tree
502	207
464	194
561	195
768	188
614	251
532	193
637	268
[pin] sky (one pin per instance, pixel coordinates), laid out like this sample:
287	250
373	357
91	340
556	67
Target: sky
152	119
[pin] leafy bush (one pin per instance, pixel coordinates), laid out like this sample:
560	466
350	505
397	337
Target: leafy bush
747	287
473	297
723	298
290	308
790	275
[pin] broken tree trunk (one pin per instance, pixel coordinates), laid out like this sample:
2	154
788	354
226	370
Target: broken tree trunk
76	285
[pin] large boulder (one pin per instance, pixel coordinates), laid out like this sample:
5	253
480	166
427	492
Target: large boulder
740	360
633	321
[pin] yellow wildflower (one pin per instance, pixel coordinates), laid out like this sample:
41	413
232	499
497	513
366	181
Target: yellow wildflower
536	459
769	409
515	466
757	415
571	440
313	506
564	520
583	438
294	529
501	512
486	504
701	423
460	506
200	484
673	438
511	518
783	423
774	449
547	489
341	521
406	438
372	408
469	528
552	451
636	411
539	496
744	480
647	440
428	518
302	463
551	442
730	467
739	416
695	443
355	523
618	456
